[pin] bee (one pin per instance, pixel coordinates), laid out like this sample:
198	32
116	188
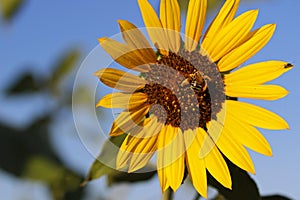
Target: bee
196	80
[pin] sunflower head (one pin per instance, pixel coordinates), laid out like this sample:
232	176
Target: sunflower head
183	105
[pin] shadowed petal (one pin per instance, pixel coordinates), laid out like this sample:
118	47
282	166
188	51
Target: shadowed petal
127	120
120	80
125	55
136	152
137	41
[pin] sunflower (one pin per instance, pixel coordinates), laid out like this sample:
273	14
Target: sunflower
184	104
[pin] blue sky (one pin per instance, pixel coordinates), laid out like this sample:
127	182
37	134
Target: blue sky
43	30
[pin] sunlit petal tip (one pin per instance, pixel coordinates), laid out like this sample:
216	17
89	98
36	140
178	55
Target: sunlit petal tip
271	28
121	21
99	104
270	153
101	40
125	25
99	72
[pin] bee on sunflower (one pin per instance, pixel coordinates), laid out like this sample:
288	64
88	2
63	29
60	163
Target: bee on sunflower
184	104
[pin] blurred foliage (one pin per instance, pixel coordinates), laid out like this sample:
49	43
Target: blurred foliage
9	8
59	178
28	154
27	83
212	4
64	66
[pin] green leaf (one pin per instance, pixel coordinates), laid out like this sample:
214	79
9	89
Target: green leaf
9	8
64	67
143	174
105	163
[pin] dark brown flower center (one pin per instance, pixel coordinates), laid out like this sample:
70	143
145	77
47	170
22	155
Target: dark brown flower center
188	86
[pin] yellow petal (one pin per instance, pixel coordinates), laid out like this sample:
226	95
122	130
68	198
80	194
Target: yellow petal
223	18
120	80
136	40
154	26
194	23
143	153
230	35
247	135
258	73
148	128
170	156
265	92
124	154
210	137
242	53
127	120
170	19
234	151
255	115
196	165
125	55
136	152
217	167
123	100
161	169
214	161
